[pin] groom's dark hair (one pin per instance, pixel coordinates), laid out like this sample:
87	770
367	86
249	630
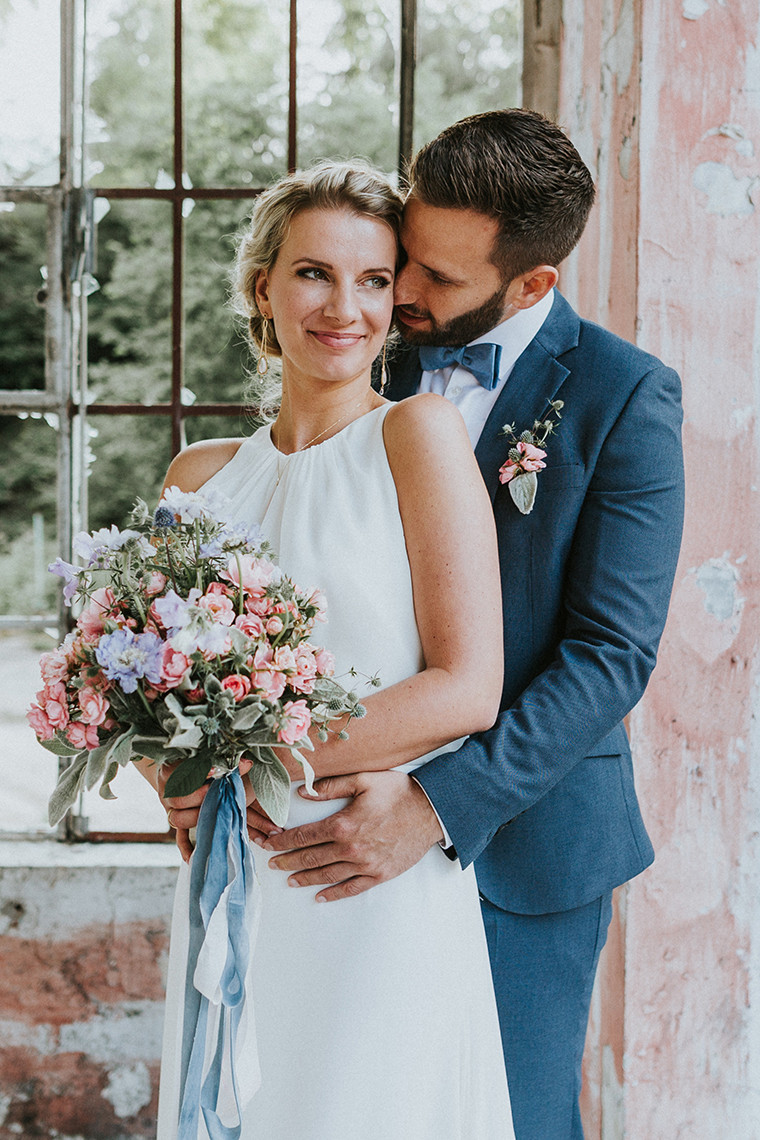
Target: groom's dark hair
515	166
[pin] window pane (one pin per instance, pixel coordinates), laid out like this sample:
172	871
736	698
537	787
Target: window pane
347	99
468	60
235	91
29	92
129	324
215	355
27	770
128	133
130	456
27	513
136	808
22	279
219	427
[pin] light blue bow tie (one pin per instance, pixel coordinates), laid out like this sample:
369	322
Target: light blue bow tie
482	360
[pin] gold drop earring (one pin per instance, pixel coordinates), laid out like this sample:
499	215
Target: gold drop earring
383	371
262	365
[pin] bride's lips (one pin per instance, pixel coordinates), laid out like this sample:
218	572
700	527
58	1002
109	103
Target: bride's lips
336	339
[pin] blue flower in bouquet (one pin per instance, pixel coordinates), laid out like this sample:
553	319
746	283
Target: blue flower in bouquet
164	518
127	657
70	575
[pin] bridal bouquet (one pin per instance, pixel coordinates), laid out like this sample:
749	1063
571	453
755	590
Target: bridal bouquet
192	648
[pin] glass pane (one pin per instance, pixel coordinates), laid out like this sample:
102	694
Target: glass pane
130	456
468	60
216	357
219	427
136	808
22	279
27	770
235	62
130	53
347	94
129	316
30	125
28	503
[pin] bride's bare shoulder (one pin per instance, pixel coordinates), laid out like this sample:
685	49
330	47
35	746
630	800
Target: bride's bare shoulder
425	420
195	464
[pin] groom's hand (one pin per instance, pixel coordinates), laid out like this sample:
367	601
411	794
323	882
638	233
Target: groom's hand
386	828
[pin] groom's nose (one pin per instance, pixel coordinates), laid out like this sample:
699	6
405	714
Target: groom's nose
405	290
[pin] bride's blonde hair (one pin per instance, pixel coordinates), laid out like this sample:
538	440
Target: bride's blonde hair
353	185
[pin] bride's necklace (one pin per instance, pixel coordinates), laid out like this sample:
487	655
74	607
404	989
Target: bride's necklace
318	436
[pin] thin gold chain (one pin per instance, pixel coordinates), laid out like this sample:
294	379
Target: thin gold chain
329	427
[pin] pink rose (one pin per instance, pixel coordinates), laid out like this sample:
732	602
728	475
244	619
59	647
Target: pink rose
54	666
269	683
306	670
253	574
42	727
238	685
174	666
325	663
284	659
54	704
219	606
82	735
274	626
154	583
319	600
94	706
531	459
295	722
251	625
92	620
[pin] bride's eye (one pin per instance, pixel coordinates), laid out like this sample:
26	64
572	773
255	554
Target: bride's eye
378	282
312	273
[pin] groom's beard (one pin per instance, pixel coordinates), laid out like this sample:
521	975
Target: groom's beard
459	330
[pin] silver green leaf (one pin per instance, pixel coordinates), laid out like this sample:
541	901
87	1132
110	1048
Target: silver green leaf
271	783
523	491
67	789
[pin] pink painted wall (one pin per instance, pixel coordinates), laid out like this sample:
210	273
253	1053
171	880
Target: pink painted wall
670	121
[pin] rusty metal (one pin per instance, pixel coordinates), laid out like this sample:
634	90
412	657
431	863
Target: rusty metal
292	88
406	83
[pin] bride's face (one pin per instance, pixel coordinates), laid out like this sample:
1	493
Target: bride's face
330	293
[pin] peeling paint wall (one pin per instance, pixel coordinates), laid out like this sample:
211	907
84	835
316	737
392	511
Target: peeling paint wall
672	261
83	952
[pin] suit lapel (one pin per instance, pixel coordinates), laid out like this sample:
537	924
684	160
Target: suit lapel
535	380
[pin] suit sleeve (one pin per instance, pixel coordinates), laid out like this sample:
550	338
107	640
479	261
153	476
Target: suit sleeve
618	581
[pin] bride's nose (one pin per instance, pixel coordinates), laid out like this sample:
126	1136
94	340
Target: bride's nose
342	305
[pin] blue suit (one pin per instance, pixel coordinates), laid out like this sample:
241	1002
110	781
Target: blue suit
544	802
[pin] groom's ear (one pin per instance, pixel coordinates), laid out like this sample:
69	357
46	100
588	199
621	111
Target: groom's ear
531	287
261	294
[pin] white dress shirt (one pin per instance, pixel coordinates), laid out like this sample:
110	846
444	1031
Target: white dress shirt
459	385
474	401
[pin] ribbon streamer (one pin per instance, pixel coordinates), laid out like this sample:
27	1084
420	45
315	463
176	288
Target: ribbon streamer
218	1027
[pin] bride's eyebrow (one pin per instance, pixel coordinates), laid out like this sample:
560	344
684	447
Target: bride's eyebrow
327	265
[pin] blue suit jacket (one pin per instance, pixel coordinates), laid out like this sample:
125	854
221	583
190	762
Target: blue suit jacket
545	801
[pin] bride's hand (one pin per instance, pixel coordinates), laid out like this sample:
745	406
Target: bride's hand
183	811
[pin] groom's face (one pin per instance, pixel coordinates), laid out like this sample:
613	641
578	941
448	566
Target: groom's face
449	291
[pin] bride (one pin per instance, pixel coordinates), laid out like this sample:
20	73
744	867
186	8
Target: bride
374	1017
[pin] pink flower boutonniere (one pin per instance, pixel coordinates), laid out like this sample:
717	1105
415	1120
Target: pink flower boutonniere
526	457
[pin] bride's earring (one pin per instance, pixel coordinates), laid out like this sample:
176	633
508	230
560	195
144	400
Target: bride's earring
262	365
383	370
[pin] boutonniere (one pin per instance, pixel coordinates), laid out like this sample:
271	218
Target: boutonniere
526	457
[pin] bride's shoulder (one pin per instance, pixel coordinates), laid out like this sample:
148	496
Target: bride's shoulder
195	464
425	419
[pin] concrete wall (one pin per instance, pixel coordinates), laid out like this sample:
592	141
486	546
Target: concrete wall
664	101
83	944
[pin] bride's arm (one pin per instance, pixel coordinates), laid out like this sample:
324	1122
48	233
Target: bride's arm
451	546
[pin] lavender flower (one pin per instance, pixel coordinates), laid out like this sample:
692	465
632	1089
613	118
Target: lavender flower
70	575
230	537
175	612
126	657
191	505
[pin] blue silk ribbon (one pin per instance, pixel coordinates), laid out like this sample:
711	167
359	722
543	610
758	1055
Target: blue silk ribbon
222	884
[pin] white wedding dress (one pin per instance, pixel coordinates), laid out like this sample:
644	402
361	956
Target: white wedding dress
375	1016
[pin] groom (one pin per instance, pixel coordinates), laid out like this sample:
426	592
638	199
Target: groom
544	802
